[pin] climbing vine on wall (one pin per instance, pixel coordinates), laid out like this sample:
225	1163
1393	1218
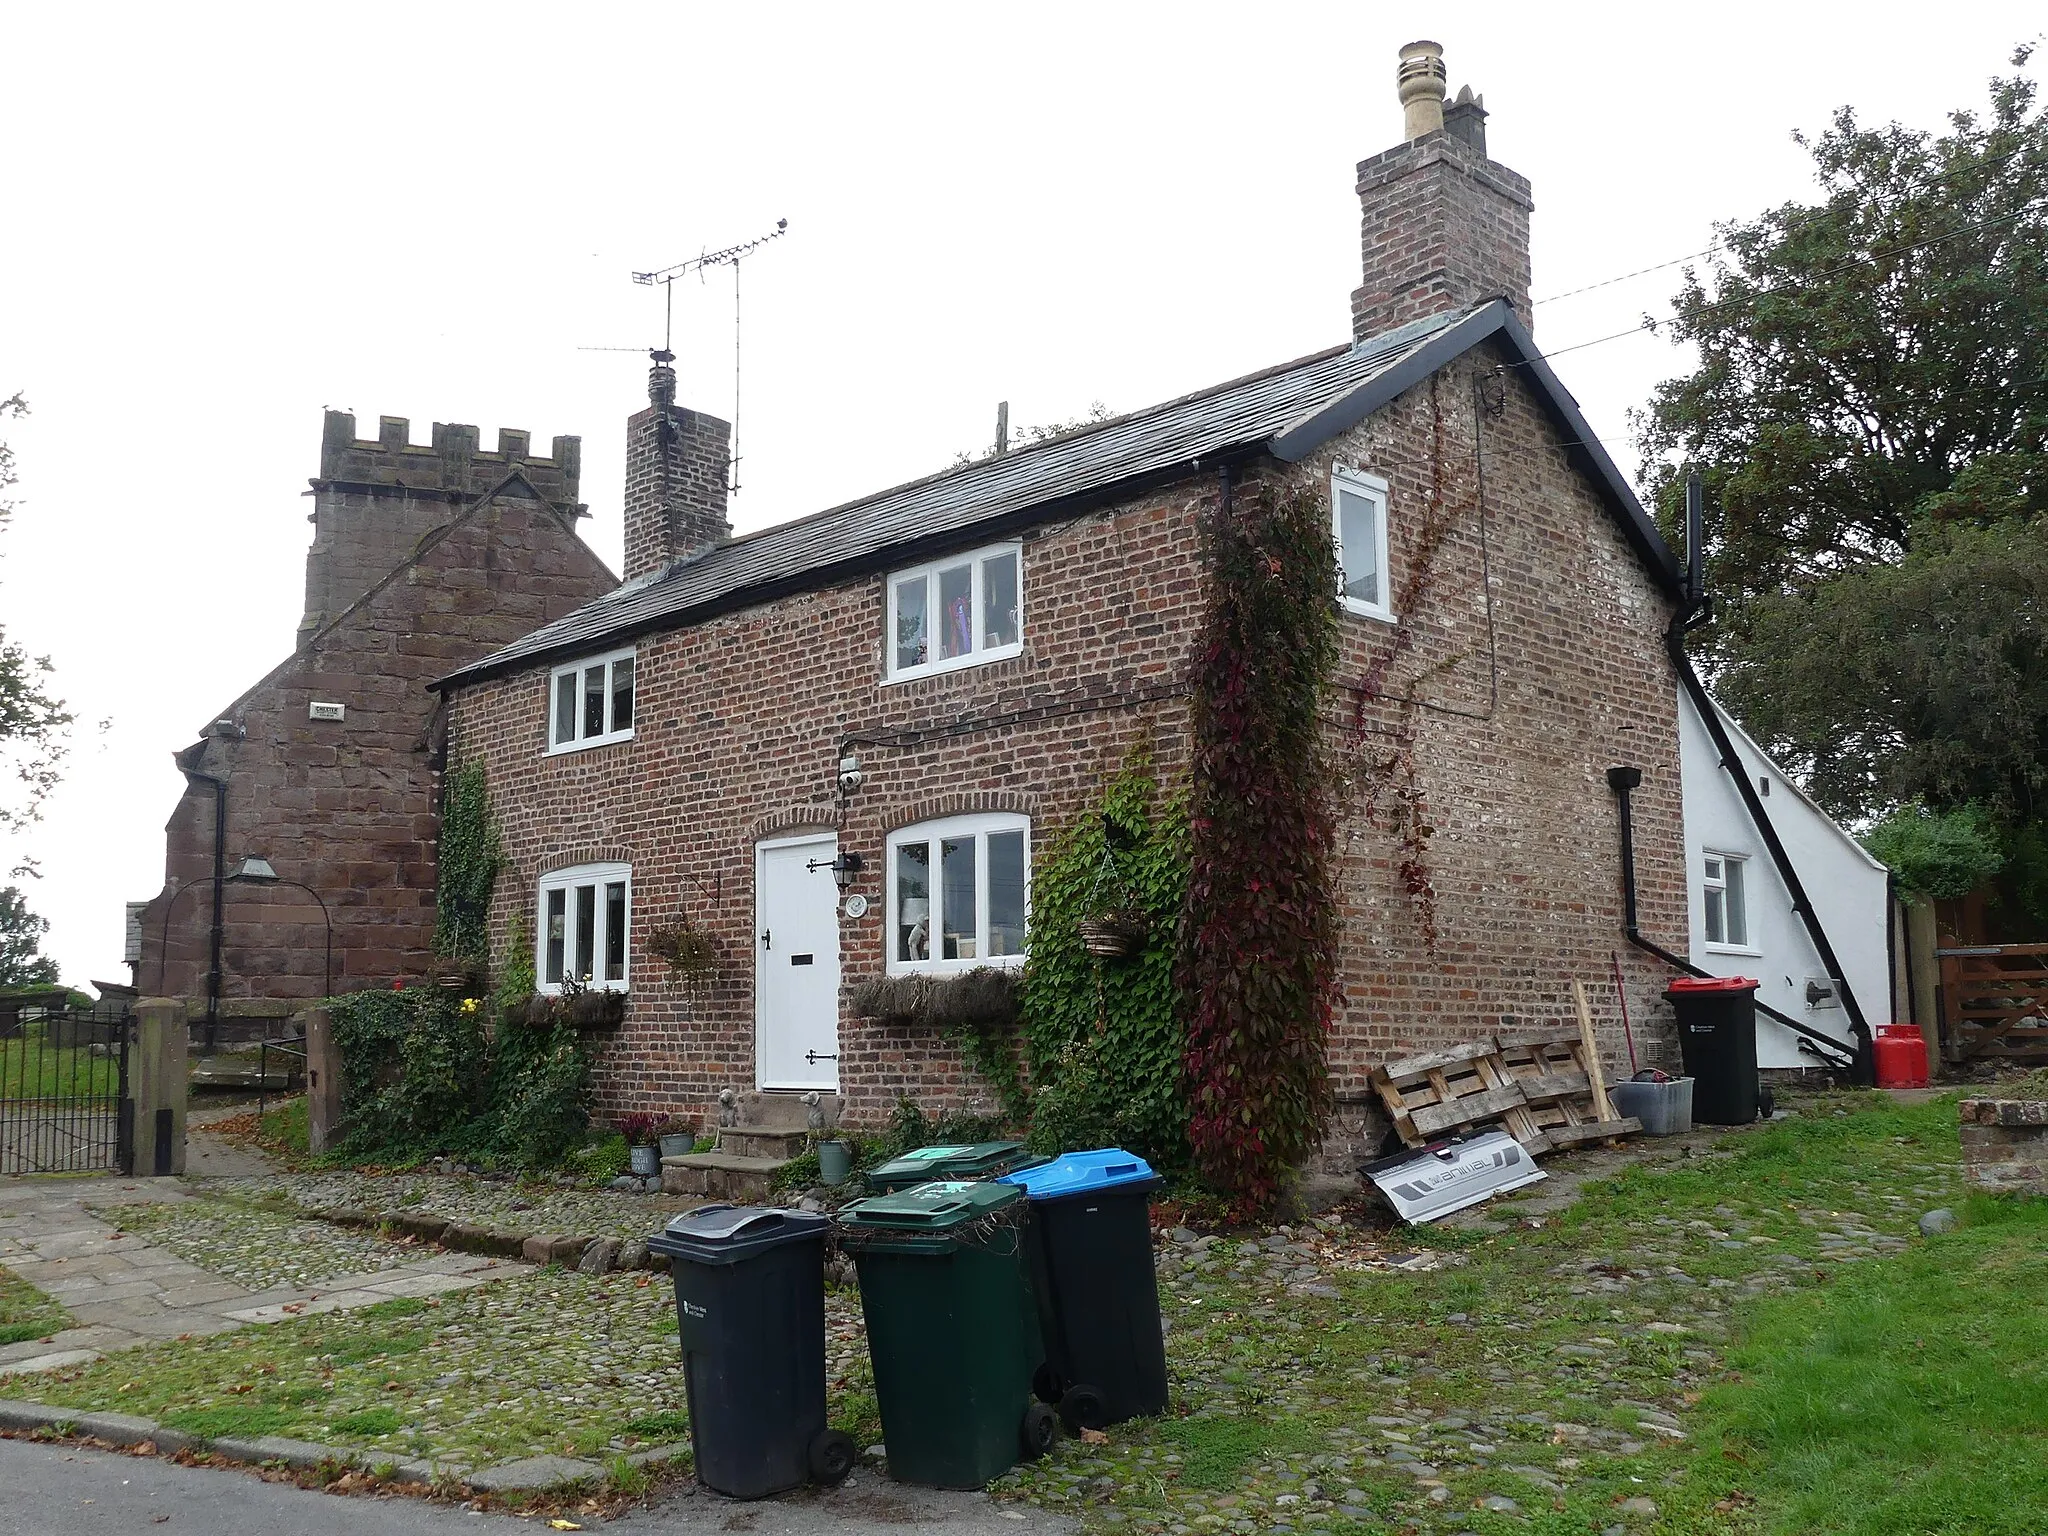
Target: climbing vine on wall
469	858
1257	970
1104	1037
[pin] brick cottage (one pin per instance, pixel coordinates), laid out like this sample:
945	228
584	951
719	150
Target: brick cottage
929	683
424	556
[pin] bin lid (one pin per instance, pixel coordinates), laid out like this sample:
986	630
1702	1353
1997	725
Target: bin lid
934	1207
721	1234
1082	1173
1712	984
953	1161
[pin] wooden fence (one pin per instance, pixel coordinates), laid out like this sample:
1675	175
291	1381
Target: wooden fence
1994	1001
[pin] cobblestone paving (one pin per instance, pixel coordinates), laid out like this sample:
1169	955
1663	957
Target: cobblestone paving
505	1206
260	1246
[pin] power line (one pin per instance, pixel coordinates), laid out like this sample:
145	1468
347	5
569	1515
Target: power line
1649	326
1811	215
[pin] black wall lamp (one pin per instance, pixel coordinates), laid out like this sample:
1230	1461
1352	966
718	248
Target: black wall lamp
844	868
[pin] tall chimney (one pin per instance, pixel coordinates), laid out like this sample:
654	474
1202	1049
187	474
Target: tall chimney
676	465
1443	226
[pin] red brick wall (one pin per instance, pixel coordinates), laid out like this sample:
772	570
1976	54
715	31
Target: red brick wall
349	808
677	461
1441	226
739	721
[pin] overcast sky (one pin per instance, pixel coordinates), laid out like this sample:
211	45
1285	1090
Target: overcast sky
215	222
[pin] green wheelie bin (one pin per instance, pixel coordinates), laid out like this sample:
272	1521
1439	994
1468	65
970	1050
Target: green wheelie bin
952	1329
955	1163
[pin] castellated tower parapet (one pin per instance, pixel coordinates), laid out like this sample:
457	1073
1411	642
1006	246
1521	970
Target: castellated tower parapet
376	498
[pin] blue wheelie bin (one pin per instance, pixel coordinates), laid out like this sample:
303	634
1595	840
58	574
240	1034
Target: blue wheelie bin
1089	1248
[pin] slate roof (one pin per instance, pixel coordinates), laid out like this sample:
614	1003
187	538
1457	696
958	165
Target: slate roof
1285	411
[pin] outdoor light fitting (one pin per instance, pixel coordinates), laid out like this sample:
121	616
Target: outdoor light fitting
255	871
844	867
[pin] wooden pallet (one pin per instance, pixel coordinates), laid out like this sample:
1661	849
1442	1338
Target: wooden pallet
1549	1091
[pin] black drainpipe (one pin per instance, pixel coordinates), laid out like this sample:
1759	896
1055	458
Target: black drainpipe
1623	781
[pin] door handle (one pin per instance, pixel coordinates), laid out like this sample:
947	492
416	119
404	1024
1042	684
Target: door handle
764	939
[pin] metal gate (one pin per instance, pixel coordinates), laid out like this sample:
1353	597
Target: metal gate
64	1103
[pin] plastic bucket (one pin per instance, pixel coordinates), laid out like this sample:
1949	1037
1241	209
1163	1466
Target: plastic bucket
835	1162
1664	1108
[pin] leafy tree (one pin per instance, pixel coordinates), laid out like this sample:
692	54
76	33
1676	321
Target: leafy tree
1937	856
1870	415
32	722
21	934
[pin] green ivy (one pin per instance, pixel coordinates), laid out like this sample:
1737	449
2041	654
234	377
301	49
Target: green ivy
420	1077
470	858
1104	1038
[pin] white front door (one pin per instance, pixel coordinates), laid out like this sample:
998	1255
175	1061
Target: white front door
796	964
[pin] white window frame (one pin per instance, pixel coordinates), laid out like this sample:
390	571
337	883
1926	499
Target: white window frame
980	654
979	827
579	742
1372	488
1717	885
567	880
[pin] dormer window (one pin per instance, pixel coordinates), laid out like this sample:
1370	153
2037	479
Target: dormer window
591	702
1358	522
956	612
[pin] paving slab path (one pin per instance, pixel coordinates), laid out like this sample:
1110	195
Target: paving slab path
124	1292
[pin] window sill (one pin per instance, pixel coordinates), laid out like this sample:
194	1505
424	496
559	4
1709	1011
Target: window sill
951	967
1357	609
954	664
1733	949
554	988
563	749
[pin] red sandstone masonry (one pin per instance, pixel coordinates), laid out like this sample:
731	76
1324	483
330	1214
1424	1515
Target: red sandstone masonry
739	720
349	808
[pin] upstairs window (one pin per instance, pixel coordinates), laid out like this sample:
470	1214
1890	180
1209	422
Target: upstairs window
1358	520
591	702
584	925
956	612
1726	903
958	890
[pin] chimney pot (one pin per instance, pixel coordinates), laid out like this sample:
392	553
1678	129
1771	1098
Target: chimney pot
661	385
1422	82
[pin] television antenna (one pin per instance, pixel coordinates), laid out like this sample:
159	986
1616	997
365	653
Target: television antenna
665	279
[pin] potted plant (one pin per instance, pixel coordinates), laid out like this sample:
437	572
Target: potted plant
677	1135
638	1129
692	957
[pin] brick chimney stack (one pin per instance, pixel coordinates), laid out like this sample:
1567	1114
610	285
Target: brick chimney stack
1443	225
676	465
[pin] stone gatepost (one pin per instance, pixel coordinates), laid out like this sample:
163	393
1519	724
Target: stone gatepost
323	1081
158	1083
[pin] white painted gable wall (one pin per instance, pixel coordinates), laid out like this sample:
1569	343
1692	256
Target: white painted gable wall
1847	888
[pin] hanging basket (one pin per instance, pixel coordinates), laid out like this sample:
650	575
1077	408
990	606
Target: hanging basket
1114	935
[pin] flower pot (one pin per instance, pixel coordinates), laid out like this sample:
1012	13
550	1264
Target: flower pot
678	1146
835	1162
1113	935
646	1162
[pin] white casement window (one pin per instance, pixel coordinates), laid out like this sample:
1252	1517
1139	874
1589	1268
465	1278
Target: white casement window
956	612
590	702
585	917
1727	902
958	893
1358	522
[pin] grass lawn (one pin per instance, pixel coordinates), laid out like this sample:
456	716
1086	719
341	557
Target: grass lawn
1759	1343
31	1068
25	1312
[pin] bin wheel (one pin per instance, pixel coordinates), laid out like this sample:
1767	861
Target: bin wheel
1041	1427
1045	1384
1766	1103
831	1457
1082	1407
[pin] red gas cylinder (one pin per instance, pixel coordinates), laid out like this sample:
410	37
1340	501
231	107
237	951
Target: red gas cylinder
1901	1056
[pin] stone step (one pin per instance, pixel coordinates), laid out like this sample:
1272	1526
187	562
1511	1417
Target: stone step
776	1110
722	1176
761	1141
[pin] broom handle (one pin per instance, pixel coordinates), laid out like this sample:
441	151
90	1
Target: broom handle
1621	992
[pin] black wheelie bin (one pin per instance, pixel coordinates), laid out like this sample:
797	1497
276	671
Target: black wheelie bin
750	1302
